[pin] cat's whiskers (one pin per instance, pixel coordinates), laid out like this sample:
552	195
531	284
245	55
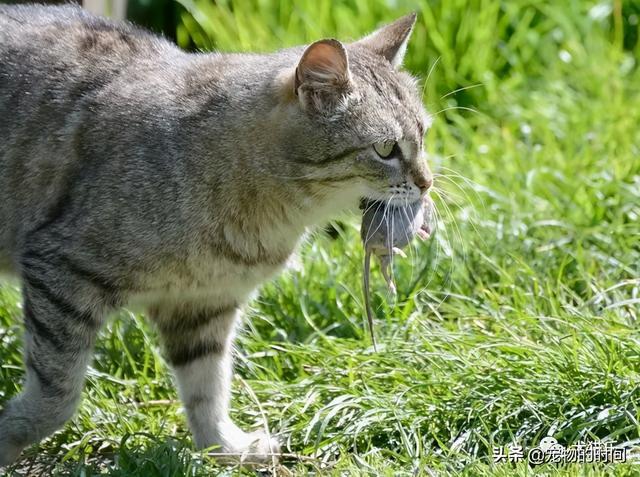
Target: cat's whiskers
371	232
426	82
450	195
371	204
472	185
455	235
412	254
391	230
456	230
451	108
389	224
452	173
464	88
437	226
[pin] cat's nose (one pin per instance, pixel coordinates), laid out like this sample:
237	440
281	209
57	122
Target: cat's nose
424	183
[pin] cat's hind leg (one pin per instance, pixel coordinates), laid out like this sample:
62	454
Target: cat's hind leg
58	343
197	341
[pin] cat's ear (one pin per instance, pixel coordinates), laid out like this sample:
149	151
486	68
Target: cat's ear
391	40
323	71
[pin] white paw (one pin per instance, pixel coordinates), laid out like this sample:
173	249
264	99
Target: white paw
248	448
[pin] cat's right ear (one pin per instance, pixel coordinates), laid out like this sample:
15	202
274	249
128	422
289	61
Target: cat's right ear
322	76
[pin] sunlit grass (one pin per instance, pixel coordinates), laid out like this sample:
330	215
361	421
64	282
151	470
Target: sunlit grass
516	321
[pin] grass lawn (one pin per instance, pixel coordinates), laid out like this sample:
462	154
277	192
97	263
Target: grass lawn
518	319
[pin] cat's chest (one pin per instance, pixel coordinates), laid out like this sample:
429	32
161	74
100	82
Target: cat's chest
231	273
225	264
213	275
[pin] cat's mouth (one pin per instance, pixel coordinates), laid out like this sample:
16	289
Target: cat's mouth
397	200
427	202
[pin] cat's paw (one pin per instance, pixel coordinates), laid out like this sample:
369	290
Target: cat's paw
264	445
253	448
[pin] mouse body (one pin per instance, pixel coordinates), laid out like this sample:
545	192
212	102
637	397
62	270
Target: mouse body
386	229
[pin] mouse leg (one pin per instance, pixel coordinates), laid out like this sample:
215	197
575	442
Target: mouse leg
385	267
399	251
424	233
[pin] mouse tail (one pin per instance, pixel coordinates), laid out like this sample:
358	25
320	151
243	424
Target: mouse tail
367	300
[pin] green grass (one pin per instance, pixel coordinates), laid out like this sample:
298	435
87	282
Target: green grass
518	320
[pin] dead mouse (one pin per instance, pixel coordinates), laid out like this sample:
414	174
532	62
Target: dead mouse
385	230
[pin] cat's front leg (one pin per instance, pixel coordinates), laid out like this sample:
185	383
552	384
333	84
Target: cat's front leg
198	340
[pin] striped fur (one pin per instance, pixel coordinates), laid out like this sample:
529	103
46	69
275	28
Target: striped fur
133	173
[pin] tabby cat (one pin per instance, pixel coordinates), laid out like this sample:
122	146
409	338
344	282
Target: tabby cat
135	174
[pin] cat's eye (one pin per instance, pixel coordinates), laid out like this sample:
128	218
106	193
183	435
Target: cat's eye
384	149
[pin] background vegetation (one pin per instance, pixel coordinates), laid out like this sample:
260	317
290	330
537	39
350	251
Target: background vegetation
518	320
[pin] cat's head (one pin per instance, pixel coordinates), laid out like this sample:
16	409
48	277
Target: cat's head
360	121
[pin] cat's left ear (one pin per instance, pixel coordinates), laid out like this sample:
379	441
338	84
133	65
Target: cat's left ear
391	40
322	74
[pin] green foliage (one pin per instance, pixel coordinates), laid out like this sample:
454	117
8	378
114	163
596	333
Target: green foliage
516	321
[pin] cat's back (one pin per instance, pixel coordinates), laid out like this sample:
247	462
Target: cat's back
54	57
48	32
51	47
